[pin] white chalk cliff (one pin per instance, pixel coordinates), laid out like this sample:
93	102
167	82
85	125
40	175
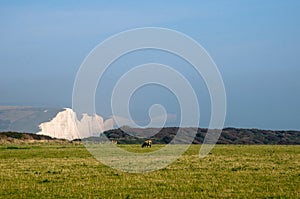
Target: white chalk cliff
66	125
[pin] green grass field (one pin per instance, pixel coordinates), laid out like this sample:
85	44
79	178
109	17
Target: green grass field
69	171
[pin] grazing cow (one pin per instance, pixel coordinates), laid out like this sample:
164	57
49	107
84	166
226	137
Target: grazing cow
147	143
114	142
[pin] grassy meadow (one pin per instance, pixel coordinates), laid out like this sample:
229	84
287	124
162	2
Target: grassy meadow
229	171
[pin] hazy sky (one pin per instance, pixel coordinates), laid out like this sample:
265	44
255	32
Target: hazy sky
255	44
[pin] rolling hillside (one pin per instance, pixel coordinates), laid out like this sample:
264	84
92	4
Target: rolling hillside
19	138
228	136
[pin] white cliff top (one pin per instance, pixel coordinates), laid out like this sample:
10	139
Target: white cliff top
66	125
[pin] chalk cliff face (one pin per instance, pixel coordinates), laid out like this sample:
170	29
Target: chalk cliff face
66	125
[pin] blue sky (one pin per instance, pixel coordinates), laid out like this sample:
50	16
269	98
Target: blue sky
255	45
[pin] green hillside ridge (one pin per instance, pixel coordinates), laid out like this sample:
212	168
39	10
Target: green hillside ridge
228	136
165	136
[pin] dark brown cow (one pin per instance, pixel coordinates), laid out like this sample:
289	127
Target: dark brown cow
147	143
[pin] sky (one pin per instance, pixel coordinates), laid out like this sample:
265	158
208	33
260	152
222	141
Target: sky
255	45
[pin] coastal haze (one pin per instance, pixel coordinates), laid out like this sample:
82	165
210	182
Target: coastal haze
25	119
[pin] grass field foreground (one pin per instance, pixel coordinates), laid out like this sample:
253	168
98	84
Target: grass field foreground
69	171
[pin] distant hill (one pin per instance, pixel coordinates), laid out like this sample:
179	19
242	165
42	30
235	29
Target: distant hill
165	135
16	137
228	136
25	119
